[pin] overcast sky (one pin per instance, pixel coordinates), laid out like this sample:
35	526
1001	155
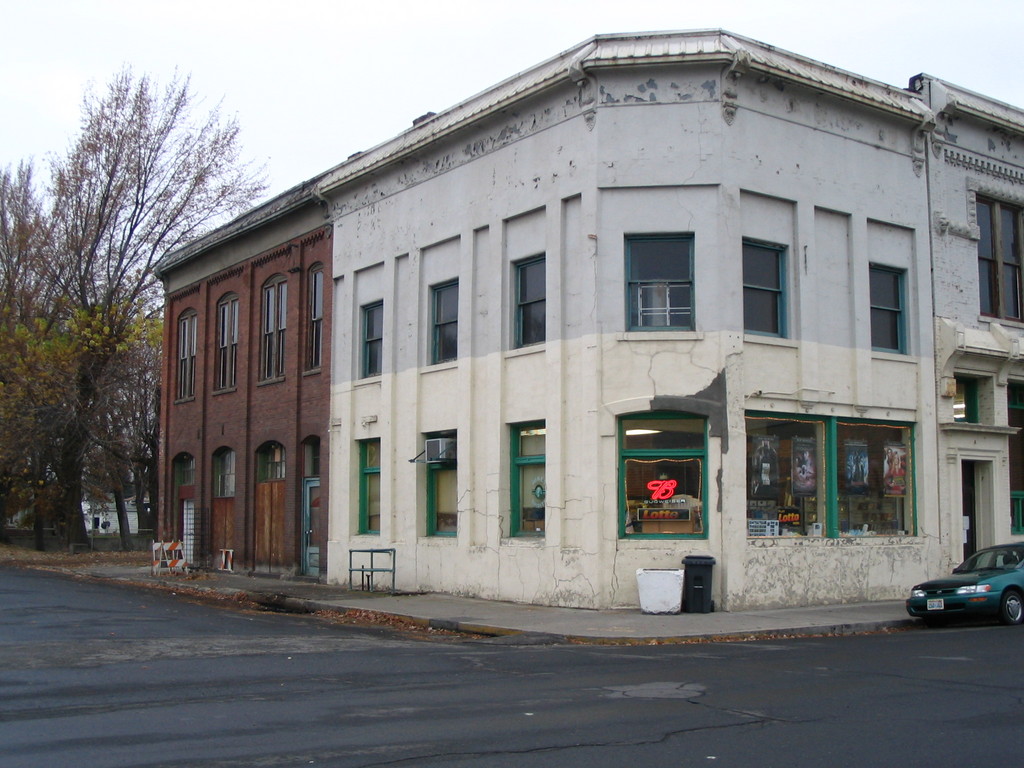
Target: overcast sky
313	81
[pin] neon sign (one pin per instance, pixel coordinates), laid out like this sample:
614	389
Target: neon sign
662	489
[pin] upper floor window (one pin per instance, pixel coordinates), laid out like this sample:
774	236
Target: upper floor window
187	325
531	302
764	289
314	341
227	342
660	281
999	259
965	401
275	313
887	321
373	339
445	323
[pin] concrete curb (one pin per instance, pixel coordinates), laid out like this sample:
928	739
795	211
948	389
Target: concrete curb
276	599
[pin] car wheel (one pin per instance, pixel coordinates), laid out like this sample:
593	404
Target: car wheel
1011	607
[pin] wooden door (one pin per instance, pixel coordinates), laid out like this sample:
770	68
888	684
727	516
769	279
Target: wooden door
270	524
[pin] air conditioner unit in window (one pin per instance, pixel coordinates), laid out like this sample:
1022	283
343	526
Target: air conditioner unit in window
439	449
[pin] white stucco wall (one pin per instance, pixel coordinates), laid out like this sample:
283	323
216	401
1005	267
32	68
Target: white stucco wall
834	182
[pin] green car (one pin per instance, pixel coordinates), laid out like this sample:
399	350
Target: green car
988	583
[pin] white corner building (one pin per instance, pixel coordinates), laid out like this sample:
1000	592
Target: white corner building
669	295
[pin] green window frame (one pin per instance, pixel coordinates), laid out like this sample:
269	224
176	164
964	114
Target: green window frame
888	332
531	302
844	498
224	473
445	322
528	482
442	495
663	476
1015	414
659	282
270	462
965	401
373	339
369	486
764	288
1000	253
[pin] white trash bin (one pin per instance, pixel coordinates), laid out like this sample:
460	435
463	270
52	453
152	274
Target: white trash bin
661	589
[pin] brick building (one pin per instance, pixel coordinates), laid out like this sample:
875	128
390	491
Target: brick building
246	382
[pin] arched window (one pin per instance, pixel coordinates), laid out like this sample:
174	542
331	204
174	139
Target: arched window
274	322
224	473
315	338
270	462
184	470
227	341
187	325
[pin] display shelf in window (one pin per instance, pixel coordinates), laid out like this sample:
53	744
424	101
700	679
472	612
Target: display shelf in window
762	527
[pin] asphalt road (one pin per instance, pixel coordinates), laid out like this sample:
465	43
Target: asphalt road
96	675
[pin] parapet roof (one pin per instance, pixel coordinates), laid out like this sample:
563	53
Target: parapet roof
741	54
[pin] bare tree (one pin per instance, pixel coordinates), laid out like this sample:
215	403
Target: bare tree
147	173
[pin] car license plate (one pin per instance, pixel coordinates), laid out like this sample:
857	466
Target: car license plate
936	604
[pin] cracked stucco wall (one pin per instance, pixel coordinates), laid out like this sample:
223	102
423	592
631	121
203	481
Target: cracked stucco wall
570	177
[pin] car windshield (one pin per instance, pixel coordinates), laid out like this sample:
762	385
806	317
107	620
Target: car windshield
988	559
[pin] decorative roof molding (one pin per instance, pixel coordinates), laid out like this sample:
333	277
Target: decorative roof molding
738	54
955	101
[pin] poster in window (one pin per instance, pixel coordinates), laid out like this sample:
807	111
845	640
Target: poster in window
894	464
856	467
805	467
764	467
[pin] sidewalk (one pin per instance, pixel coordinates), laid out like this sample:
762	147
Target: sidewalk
532	623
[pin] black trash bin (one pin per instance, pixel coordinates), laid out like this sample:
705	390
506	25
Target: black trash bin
697	575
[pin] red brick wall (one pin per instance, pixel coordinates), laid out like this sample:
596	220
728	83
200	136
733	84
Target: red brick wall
287	410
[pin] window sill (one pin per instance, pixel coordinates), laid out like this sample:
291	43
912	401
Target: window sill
447	365
268	382
669	334
311	372
523	540
973	428
1006	321
225	391
770	341
895	357
183	400
533	349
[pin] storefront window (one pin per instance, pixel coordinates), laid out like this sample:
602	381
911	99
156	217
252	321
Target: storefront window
874	479
662	474
827	477
784	477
